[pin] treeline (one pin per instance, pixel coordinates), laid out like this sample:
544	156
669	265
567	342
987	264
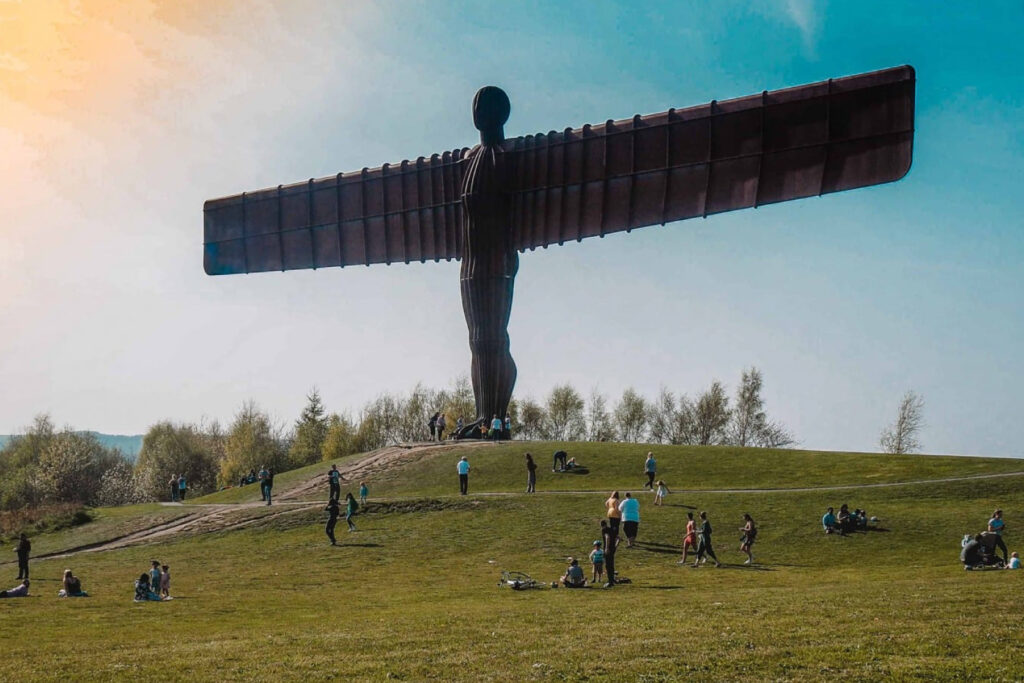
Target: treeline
46	466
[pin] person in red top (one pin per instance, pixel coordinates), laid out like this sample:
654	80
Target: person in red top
690	540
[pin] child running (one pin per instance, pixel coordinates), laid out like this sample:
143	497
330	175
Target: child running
363	493
660	492
597	559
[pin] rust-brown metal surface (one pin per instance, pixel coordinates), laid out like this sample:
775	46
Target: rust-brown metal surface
486	204
659	168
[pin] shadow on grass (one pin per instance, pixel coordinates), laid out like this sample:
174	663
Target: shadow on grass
678	505
358	545
661	588
748	567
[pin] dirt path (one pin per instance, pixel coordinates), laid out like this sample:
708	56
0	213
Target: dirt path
210	517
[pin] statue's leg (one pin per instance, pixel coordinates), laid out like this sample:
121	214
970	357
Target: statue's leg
487	303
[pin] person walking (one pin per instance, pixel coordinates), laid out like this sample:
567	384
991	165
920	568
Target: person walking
651	468
333	509
614	514
363	493
508	427
173	483
630	508
268	483
463	469
704	549
432	425
749	530
182	487
496	428
690	540
441	425
334	481
350	509
531	474
610	538
23	549
262	477
996	525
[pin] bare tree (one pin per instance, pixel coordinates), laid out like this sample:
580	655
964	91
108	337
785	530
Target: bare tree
901	436
599	422
711	416
774	435
631	416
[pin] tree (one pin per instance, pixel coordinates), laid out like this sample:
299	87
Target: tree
340	439
599	421
631	416
565	421
748	418
711	416
901	436
530	419
310	432
71	467
176	449
252	442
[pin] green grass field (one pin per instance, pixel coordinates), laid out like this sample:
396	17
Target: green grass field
412	595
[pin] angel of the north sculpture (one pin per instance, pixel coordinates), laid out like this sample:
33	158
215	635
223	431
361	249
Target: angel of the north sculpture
486	204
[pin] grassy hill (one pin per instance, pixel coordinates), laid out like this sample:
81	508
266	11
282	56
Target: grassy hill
412	594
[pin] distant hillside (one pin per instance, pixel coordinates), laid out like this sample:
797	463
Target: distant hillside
129	445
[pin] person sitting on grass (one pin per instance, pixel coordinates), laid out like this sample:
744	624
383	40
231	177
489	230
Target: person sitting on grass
571	463
597	559
20	591
143	592
828	522
573	577
1014	562
843	518
72	586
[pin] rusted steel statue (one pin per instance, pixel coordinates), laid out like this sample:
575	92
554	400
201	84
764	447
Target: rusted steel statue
503	197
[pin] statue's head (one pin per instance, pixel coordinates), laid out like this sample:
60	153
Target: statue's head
490	112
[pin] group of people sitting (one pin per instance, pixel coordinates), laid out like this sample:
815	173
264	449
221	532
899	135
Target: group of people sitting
71	587
574	576
154	585
845	522
979	551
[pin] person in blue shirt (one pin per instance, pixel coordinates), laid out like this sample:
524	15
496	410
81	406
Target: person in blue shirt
495	428
463	470
508	426
1014	562
182	487
630	509
350	509
651	468
597	559
828	521
996	526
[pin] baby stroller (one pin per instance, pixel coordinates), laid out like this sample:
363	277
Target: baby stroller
979	552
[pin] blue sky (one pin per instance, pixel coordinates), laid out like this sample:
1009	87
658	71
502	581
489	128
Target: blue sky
118	125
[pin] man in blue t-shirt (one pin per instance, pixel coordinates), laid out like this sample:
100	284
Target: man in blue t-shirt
182	487
573	577
496	428
463	469
996	526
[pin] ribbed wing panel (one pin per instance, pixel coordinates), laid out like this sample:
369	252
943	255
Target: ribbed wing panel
773	147
407	212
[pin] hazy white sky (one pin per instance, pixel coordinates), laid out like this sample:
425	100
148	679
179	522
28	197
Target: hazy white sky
118	119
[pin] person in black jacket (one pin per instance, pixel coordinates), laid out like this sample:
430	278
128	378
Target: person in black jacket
333	510
23	549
